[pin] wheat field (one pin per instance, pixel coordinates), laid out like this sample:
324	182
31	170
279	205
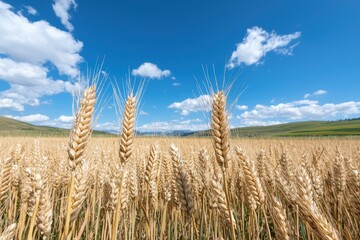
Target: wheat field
177	188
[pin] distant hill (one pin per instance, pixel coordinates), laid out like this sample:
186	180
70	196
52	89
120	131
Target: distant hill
296	129
12	127
175	133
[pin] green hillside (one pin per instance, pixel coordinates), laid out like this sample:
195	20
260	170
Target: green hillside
297	129
13	128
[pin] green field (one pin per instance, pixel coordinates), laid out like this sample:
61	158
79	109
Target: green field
297	129
13	128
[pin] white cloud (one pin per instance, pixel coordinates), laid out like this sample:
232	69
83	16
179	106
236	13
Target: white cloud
66	119
38	42
28	83
241	107
155	126
26	48
307	95
61	9
22	73
11	104
62	121
31	10
172	126
176	84
30	118
150	70
189	121
143	113
302	110
320	92
253	123
317	93
257	43
201	103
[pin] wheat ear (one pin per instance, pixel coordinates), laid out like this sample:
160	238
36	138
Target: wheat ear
125	152
309	209
45	213
280	219
5	178
220	129
79	137
127	131
81	131
252	181
183	193
9	232
218	193
80	190
175	160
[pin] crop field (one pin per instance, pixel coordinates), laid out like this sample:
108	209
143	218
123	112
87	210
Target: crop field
177	188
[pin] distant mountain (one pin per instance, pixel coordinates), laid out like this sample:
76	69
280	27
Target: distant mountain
296	129
11	127
176	133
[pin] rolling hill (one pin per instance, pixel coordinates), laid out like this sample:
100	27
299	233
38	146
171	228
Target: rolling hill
12	128
297	129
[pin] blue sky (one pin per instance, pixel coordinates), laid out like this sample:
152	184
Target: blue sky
295	61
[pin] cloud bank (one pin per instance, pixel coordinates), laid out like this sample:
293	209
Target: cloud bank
27	51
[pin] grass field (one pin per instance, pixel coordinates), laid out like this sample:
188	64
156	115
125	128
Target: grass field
15	128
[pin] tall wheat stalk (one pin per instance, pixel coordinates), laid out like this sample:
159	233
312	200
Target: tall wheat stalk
79	137
126	141
221	142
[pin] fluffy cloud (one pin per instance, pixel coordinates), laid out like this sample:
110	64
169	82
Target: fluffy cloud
31	10
61	9
201	103
241	107
302	110
30	118
28	83
22	73
26	48
317	93
65	119
257	43
11	104
150	70
37	42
